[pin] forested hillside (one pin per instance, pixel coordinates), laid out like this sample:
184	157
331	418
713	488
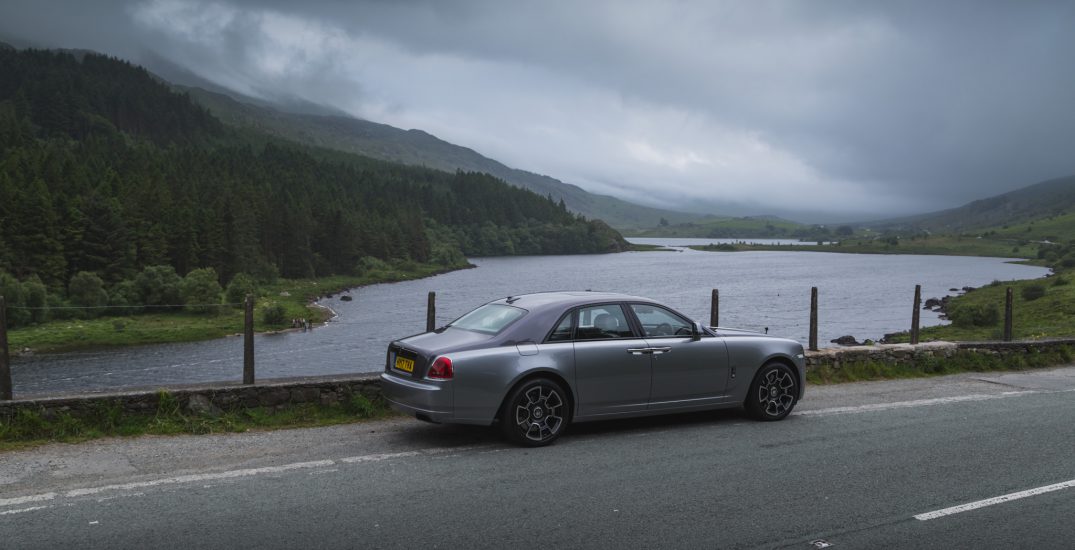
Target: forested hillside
106	170
418	148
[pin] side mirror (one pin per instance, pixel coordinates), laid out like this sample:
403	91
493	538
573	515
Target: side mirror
696	331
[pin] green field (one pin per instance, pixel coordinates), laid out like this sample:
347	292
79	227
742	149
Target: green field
1051	315
939	244
737	228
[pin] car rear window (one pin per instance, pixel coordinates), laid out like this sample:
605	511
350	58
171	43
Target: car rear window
489	319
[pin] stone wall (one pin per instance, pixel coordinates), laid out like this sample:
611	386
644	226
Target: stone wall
903	353
209	398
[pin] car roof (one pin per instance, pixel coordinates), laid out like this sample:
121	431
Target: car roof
565	299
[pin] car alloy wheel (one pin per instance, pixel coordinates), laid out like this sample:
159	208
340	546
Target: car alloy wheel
536	413
773	393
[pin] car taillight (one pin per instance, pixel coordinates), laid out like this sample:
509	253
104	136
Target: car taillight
441	369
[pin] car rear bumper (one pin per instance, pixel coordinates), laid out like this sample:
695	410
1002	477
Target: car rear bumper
424	400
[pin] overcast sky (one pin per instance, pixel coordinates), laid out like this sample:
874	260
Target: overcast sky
860	109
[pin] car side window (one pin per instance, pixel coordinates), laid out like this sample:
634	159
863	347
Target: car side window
658	322
602	322
562	332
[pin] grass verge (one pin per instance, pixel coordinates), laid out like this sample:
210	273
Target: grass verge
960	361
108	419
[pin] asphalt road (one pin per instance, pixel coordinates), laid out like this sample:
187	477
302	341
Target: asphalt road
874	465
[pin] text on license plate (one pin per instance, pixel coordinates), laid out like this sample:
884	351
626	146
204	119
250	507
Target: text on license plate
404	364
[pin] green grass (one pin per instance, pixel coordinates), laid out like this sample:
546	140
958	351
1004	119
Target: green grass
294	295
1051	316
935	245
649	248
28	428
960	361
1054	228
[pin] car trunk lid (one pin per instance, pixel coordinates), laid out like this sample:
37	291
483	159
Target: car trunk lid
412	356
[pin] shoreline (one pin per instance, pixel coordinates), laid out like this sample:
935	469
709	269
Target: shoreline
197	328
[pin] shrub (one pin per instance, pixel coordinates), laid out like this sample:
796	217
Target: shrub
86	289
1060	281
158	285
274	314
1032	292
241	285
15	298
200	290
36	299
979	315
367	264
57	309
446	255
265	272
125	293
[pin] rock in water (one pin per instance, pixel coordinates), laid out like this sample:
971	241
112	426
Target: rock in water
847	340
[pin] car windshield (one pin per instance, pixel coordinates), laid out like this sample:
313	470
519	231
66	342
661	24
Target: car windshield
489	319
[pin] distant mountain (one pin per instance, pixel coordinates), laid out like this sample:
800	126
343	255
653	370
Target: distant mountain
1048	199
415	147
182	78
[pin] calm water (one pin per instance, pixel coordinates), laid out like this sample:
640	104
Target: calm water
862	295
680	242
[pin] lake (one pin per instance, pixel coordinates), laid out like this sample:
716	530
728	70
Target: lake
863	295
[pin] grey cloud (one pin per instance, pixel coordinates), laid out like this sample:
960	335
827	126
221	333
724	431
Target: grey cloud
851	107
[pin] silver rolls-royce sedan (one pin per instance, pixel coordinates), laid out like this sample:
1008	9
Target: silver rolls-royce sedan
535	363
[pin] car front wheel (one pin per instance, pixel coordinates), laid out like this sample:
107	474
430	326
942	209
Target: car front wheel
536	413
773	392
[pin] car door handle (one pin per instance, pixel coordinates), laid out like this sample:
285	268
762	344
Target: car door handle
658	351
639	351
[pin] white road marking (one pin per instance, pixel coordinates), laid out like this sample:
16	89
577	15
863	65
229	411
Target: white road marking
378	457
231	474
199	477
995	500
30	509
23	500
915	403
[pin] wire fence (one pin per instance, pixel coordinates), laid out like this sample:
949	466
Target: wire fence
136	324
117	325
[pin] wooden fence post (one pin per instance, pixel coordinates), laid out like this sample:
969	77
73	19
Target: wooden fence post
813	318
248	341
431	312
5	359
1008	315
915	313
714	309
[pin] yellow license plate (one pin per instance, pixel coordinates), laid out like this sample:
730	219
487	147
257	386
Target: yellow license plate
404	364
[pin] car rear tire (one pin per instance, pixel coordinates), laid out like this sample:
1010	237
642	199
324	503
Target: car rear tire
535	413
773	393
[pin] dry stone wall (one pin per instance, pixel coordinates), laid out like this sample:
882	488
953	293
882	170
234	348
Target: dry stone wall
213	398
210	398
